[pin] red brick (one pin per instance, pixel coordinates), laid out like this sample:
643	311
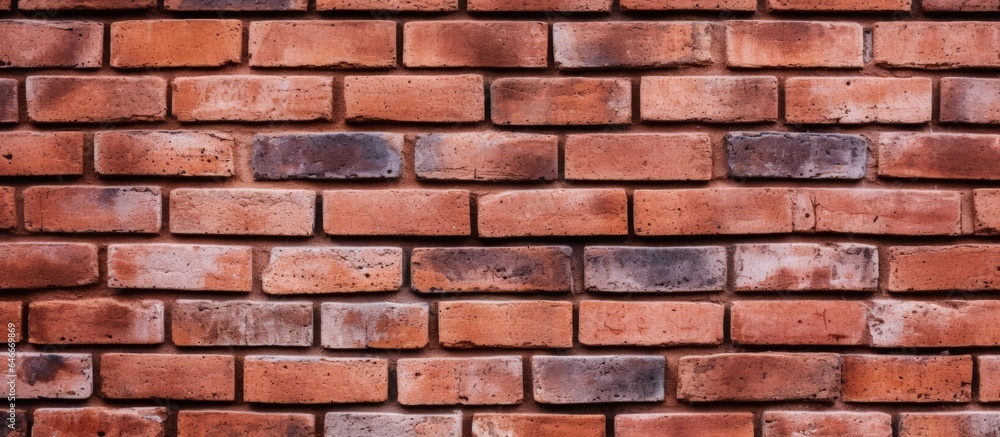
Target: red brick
970	100
988	367
393	425
41	153
920	379
491	269
525	324
500	44
710	99
759	377
47	5
74	99
95	321
905	324
160	376
880	211
381	325
938	155
387	5
338	44
9	106
242	212
960	5
857	100
302	270
416	212
943	45
654	269
433	99
537	425
685	424
43	265
112	422
560	101
598	379
712	211
164	153
805	267
201	423
487	156
938	268
8	208
631	44
253	98
804	322
241	323
180	267
986	203
176	43
838	5
40	43
53	375
460	381
761	44
108	209
540	5
314	380
961	424
560	212
12	313
643	157
691	5
841	424
605	323
235	5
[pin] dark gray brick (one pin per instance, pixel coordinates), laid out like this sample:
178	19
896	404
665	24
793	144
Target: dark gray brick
797	156
328	156
598	379
655	269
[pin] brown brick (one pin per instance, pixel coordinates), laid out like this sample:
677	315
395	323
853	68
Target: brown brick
685	424
95	321
598	379
804	322
805	267
338	44
161	376
48	5
242	211
952	323
759	377
387	5
492	269
537	425
525	324
961	424
164	153
540	5
235	5
200	423
710	99
112	422
712	211
560	101
498	44
382	325
960	5
642	157
53	375
432	99
12	313
311	270
18	420
253	98
559	212
180	267
605	323
241	323
8	208
938	268
970	100
392	425
176	43
942	45
938	155
654	269
880	211
9	106
986	203
691	5
858	100
631	44
108	209
74	99
762	44
886	378
41	153
988	368
840	423
338	155
43	265
41	43
314	380
487	156
838	5
416	212
460	381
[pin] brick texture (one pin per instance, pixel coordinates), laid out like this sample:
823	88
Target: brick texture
252	98
96	321
337	44
314	380
80	99
176	43
64	44
631	45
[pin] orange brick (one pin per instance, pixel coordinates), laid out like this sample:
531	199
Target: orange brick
460	381
606	323
491	269
886	378
108	209
804	322
381	325
960	5
540	5
435	99
907	324
299	270
838	5
417	212
690	5
147	422
537	425
164	153
161	376
74	99
960	44
180	267
235	5
176	43
938	155
761	44
501	44
938	268
48	5
880	211
631	44
95	321
840	423
645	157
961	424
487	156
52	375
242	212
575	212
526	324
8	208
970	100
338	44
241	323
560	101
43	265
805	267
387	5
988	367
12	313
201	423
253	98
711	99
858	100
712	211
41	153
685	424
314	380
41	43
759	377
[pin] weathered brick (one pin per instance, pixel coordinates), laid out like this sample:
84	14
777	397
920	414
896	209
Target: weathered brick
631	44
387	5
685	424
838	5
858	100
242	211
491	269
112	422
598	379
691	5
235	5
176	43
460	381
540	5
805	267
654	269
416	212
431	99
382	325
960	5
941	45
938	155
180	267
558	212
487	156
498	44
540	425
710	99
712	211
17	425
560	101
310	270
8	208
41	153
241	323
314	380
880	211
986	203
762	44
643	157
966	267
9	106
961	424
47	5
391	425
75	99
164	153
53	375
200	423
525	324
988	368
43	265
107	209
905	324
337	44
970	100
604	323
12	313
796	155
42	43
804	322
161	376
95	321
253	98
840	423
339	155
759	377
886	378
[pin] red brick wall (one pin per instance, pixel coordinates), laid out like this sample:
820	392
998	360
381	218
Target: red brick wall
501	217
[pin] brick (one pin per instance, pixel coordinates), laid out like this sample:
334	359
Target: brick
598	379
44	265
525	324
9	106
960	5
712	211
557	212
486	156
970	100
48	5
967	267
841	423
382	325
796	156
95	321
161	376
202	423
17	422
417	212
164	153
429	99
805	267
986	204
604	323
235	5
881	211
710	99
387	5
314	380
654	269
176	43
337	44
41	153
57	44
241	323
147	422
496	44
690	5
906	324
460	381
641	157
944	45
838	5
328	156
560	101
938	155
73	99
108	209
685	424
53	375
858	100
631	44
988	367
389	425
541	425
180	267
540	5
491	269
918	379
962	424
759	377
242	211
310	270
8	208
12	313
253	98
794	44
804	322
